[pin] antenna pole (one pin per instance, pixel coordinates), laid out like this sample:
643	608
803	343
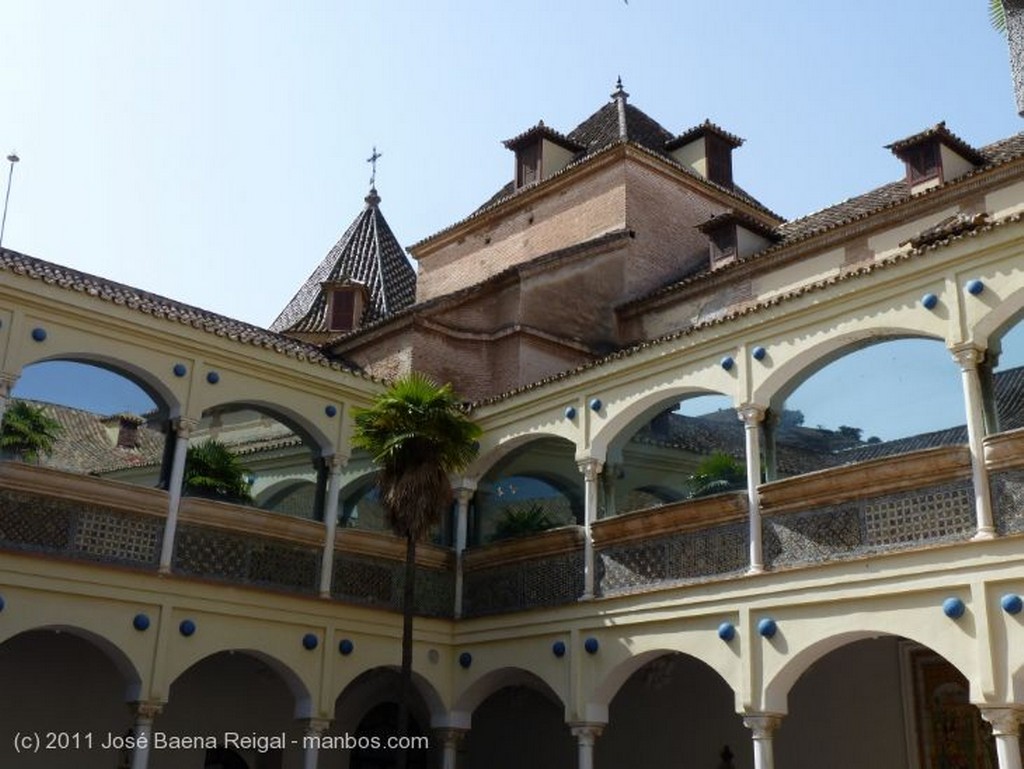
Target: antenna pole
12	159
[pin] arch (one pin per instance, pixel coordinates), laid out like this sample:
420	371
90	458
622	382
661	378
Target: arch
613	432
154	387
379	684
486	461
124	666
809	360
271	497
291	679
614	680
498	679
776	689
302	426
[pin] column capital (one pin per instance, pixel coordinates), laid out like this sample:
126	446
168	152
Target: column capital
1005	719
590	467
967	355
750	414
335	463
184	426
147	710
7	382
450	735
762	724
586	732
464	488
314	727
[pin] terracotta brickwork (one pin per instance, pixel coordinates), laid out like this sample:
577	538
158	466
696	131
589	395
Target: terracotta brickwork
592	205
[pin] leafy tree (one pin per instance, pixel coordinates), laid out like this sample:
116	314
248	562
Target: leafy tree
520	521
212	471
417	434
717	473
28	432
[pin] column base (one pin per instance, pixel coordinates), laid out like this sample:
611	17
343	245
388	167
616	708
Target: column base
984	534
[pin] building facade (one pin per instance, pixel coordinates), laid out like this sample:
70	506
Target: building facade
820	598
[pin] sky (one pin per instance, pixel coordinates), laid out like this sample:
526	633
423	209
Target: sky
213	152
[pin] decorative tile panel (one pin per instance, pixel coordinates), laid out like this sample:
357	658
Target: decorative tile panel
673	559
1008	501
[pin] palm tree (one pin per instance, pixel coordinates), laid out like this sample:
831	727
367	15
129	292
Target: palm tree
28	432
1008	17
417	433
212	471
715	474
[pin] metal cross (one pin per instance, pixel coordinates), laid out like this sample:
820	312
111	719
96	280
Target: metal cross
372	160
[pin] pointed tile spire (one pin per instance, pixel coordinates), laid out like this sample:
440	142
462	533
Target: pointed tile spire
619	96
369	256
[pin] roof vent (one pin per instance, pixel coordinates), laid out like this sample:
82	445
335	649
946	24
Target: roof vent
735	236
934	157
123	430
707	149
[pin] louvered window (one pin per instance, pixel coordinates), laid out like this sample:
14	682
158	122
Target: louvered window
343	309
528	164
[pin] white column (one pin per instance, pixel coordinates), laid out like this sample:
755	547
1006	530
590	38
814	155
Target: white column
586	735
752	416
335	465
449	739
463	495
763	725
968	357
183	428
314	728
7	382
1005	720
591	469
145	712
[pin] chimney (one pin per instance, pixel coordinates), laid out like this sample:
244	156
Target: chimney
123	430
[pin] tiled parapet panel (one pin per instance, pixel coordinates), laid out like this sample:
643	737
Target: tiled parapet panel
900	521
243	558
542	569
1008	500
435	592
889	504
1004	455
680	543
67	527
674	559
547	581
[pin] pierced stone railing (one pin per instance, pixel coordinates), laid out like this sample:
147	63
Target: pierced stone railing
544	569
684	542
66	515
1004	455
895	503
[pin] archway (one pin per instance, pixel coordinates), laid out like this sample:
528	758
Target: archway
64	680
674	705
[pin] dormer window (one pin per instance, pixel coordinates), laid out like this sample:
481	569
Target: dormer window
345	303
707	149
540	153
734	235
922	162
934	157
528	164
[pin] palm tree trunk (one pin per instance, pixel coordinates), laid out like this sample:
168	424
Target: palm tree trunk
1014	10
405	682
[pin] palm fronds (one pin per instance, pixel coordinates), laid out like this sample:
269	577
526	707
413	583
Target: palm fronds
28	432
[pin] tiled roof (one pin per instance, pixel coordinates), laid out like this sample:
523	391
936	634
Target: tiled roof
617	122
160	307
83	444
369	254
886	196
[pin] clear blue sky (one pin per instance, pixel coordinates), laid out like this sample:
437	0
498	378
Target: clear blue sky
214	151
